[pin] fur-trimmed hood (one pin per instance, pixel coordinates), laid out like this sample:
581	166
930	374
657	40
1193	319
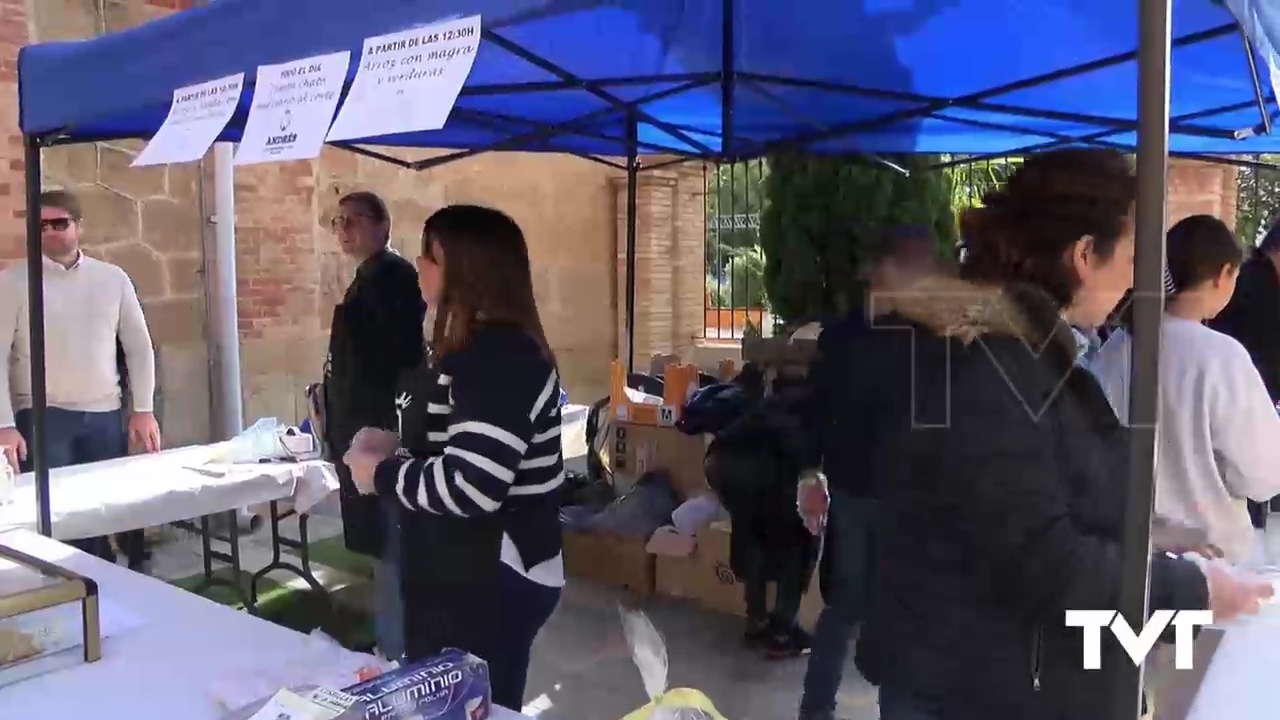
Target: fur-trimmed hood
960	309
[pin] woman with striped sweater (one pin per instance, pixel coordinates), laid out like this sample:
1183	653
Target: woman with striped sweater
475	486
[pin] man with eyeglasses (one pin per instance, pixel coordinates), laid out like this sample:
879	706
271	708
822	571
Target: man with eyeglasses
97	352
376	335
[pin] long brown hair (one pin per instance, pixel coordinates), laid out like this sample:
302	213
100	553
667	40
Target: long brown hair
486	276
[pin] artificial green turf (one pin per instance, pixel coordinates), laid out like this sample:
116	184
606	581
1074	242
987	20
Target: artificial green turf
296	608
333	553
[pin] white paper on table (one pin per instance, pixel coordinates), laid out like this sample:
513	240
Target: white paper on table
293	104
408	81
196	118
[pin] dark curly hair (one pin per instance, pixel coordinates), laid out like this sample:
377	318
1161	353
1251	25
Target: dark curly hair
1022	232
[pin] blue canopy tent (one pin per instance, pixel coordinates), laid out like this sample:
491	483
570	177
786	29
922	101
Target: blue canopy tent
729	79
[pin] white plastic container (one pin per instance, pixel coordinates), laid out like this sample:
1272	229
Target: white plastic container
8	481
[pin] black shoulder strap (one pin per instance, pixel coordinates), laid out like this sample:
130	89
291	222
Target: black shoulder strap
412	392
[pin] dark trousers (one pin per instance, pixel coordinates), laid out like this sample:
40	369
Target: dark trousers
526	607
848	573
898	705
788	569
74	438
1258	512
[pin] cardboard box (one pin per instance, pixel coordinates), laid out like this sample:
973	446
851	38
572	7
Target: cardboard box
609	560
676	577
712	584
637	449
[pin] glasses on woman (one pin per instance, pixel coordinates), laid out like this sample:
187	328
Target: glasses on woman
346	222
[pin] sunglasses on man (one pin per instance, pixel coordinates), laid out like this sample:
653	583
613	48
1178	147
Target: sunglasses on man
59	224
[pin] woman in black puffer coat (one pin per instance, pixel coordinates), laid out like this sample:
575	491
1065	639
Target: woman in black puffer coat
1003	505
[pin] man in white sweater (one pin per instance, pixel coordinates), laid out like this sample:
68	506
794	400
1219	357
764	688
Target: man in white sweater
95	338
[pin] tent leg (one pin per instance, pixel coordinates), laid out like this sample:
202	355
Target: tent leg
35	313
633	169
1148	310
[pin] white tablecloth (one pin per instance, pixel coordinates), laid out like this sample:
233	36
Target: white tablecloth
1238	681
160	670
145	490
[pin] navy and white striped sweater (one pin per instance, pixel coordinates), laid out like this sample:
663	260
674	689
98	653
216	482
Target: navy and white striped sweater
493	446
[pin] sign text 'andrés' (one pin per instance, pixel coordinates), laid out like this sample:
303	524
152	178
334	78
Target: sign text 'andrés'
1138	645
292	108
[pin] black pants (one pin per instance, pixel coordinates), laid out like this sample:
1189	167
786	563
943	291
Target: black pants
788	568
1258	513
527	606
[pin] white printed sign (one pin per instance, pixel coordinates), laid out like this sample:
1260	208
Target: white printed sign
666	416
293	104
196	117
408	81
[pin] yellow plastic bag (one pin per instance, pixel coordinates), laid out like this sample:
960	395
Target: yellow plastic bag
682	703
650	655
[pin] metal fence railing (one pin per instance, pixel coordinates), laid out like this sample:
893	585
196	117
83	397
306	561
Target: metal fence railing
734	303
1257	199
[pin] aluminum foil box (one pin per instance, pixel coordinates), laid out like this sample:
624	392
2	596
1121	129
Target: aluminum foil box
451	686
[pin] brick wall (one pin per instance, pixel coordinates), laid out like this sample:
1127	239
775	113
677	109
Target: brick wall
291	272
1199	188
670	279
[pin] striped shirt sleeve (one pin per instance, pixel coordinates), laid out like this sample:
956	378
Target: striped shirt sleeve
490	427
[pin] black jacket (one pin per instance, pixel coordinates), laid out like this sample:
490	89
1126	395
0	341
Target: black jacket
859	394
753	465
1253	318
376	335
1002	509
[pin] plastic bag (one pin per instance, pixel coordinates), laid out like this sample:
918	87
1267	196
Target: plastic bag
261	441
650	655
321	662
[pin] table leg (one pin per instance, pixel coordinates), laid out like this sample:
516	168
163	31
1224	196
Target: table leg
231	558
278	543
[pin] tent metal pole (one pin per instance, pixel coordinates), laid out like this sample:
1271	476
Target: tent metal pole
1258	94
1148	309
35	313
633	172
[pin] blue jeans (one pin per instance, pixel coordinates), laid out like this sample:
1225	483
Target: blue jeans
73	437
388	601
849	569
898	705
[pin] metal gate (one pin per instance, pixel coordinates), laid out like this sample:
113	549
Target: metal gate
735	302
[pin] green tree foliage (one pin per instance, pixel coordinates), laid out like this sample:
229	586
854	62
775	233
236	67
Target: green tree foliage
733	202
1258	200
821	211
742	285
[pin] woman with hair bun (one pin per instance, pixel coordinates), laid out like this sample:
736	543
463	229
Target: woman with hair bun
1219	443
1004	504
